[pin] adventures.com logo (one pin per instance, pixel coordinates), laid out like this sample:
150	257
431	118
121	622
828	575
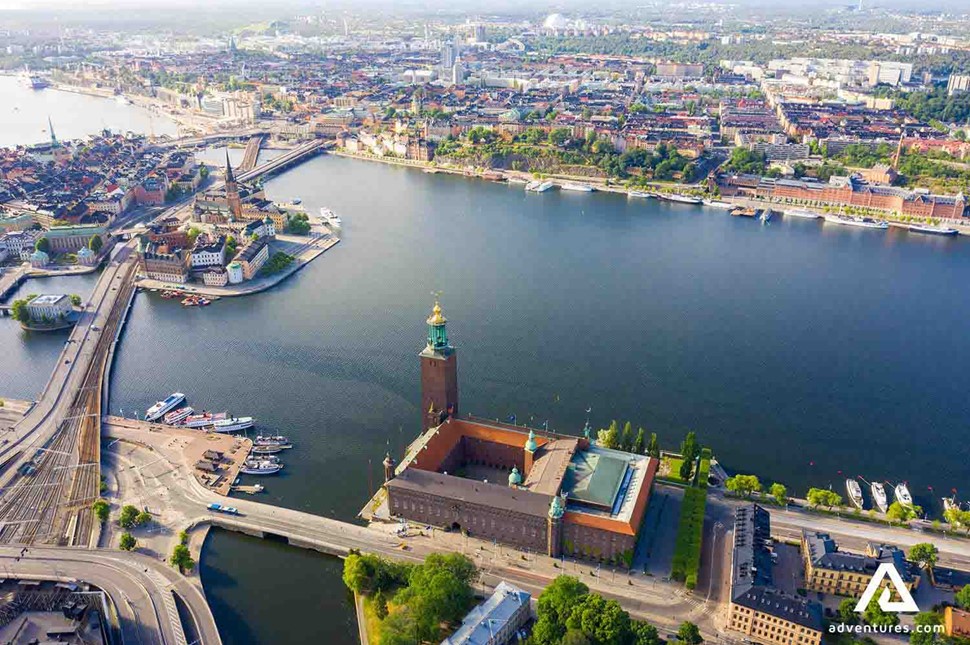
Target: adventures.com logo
905	605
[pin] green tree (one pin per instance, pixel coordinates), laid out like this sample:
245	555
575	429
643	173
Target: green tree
779	493
576	637
743	485
43	244
924	554
75	300
962	597
101	510
231	246
847	612
924	633
823	497
193	233
609	437
638	444
128	517
143	518
874	615
604	621
653	448
95	243
900	513
181	558
559	136
644	633
626	439
689	634
127	542
380	605
554	606
689	450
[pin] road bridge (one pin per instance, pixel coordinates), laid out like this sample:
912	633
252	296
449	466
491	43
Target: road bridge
284	161
11	279
252	152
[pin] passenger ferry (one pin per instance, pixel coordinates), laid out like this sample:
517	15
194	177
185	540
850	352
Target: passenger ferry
178	416
539	186
680	199
330	218
802	212
931	230
161	407
233	424
204	419
260	467
579	188
861	222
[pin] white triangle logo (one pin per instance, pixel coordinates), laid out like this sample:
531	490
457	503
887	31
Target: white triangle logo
907	604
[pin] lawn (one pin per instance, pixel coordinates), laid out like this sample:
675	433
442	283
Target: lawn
670	468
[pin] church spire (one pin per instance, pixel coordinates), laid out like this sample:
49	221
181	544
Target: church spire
229	176
437	329
50	128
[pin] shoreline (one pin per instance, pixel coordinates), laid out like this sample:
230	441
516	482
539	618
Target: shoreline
427	167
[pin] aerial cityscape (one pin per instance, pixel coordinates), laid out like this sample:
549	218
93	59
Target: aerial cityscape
391	323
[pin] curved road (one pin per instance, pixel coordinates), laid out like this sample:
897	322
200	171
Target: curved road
140	589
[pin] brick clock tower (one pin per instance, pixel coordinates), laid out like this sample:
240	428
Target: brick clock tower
439	373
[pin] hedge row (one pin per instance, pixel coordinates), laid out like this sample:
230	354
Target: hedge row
690	532
704	470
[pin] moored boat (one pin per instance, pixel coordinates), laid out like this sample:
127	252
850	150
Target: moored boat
855	492
266	450
539	186
642	194
903	496
743	211
929	229
275	440
575	187
158	410
879	496
861	222
233	424
801	212
330	218
204	419
680	199
765	216
717	203
260	467
176	417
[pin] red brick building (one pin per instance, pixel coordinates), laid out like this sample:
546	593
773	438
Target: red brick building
546	492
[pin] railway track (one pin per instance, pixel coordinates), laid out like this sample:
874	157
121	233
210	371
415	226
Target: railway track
50	501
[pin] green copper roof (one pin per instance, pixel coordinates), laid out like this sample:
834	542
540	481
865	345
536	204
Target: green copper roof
531	444
556	509
515	478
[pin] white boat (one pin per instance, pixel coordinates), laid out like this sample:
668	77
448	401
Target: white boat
276	440
330	218
765	216
539	186
122	99
639	193
161	407
903	496
579	188
178	416
950	504
861	222
680	199
879	496
802	212
855	492
233	424
260	467
517	180
267	450
204	419
717	203
931	230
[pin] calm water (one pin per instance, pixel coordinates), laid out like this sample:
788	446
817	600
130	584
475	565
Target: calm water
781	345
24	112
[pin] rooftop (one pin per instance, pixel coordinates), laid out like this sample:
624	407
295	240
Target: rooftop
478	627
